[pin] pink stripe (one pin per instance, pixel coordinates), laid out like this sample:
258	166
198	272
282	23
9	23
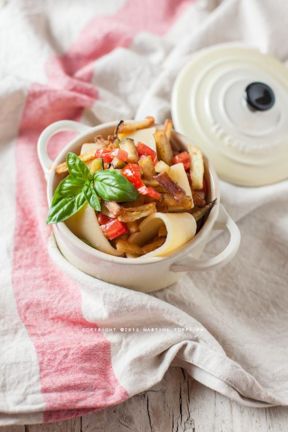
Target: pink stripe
103	34
74	358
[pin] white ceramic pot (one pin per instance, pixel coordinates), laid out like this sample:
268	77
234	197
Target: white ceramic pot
237	98
143	274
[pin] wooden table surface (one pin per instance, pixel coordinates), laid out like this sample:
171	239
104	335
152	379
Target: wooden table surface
179	404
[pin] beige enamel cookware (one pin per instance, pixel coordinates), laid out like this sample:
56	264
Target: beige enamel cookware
143	274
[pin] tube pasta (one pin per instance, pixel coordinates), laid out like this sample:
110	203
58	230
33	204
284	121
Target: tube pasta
86	157
137	125
143	135
181	228
169	201
89	148
197	168
168	126
84	225
179	176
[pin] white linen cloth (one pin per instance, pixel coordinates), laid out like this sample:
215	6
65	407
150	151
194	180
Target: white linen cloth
229	327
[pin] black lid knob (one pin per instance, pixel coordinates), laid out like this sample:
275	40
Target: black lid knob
260	96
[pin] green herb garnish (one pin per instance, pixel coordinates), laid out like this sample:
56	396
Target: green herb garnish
92	196
81	186
113	186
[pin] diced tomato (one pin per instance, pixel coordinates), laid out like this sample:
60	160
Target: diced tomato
104	154
120	154
103	219
144	150
132	172
113	229
108	155
184	158
149	191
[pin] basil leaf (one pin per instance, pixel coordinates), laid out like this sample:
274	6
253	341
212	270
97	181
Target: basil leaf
76	167
66	207
112	186
91	196
68	187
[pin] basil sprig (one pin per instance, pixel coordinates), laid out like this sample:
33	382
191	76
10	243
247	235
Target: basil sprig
112	186
81	187
91	196
66	207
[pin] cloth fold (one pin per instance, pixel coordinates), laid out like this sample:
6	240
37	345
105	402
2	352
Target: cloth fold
70	343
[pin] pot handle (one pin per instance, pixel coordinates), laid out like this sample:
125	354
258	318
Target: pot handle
224	221
48	132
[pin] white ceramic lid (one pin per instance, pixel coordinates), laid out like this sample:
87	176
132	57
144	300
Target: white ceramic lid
232	101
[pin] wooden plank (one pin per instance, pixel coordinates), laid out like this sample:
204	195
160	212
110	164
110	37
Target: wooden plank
180	404
277	419
177	404
73	425
155	410
13	429
212	411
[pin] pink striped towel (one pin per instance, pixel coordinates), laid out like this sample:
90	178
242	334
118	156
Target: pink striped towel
70	343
